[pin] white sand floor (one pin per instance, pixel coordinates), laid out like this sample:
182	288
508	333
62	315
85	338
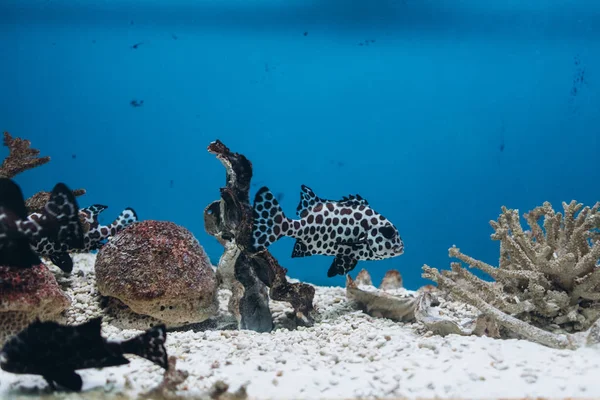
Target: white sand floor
347	354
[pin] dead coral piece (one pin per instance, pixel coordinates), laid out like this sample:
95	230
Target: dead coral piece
37	202
220	391
363	278
394	303
172	378
27	294
246	273
435	322
547	283
391	280
159	269
21	157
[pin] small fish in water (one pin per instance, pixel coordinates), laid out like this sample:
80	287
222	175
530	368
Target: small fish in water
135	103
59	222
348	229
94	236
56	351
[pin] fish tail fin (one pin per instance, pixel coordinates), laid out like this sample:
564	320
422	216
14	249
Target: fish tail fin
61	214
149	345
92	213
270	222
127	217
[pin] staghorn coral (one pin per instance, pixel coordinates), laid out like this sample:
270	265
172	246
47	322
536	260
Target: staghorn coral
22	157
547	283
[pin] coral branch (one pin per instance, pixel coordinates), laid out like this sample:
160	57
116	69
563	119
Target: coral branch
21	157
547	279
530	332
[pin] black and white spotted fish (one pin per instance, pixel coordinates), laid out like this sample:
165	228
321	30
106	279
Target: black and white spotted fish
94	235
58	222
56	351
348	229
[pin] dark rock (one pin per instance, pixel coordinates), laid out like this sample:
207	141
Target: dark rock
246	273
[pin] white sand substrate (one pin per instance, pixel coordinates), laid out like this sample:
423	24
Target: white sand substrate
347	354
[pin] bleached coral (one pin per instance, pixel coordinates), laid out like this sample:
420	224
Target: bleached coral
548	276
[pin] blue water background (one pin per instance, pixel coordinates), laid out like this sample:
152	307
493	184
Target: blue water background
447	111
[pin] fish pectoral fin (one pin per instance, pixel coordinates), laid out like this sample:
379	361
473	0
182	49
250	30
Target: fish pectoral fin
341	265
300	249
62	261
67	379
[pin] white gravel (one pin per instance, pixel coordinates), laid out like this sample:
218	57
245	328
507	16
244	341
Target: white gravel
346	355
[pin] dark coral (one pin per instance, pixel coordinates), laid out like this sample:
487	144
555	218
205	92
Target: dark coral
22	157
230	221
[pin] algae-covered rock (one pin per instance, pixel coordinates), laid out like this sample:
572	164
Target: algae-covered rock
27	294
159	269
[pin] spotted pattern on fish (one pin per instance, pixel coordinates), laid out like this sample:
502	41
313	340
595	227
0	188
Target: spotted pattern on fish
56	351
94	235
58	223
348	229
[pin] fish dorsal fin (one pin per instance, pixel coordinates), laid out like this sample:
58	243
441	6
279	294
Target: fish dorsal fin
353	200
308	199
11	197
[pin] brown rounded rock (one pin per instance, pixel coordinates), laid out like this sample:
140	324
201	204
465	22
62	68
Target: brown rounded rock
158	268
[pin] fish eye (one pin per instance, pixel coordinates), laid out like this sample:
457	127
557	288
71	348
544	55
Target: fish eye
388	232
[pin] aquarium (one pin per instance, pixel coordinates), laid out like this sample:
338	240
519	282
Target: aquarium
299	199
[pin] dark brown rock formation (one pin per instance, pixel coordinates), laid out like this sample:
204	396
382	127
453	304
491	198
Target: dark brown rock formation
246	273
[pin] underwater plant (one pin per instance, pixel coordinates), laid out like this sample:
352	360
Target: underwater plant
546	287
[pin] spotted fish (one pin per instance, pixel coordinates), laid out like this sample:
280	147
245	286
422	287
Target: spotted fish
94	236
58	222
348	229
56	351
